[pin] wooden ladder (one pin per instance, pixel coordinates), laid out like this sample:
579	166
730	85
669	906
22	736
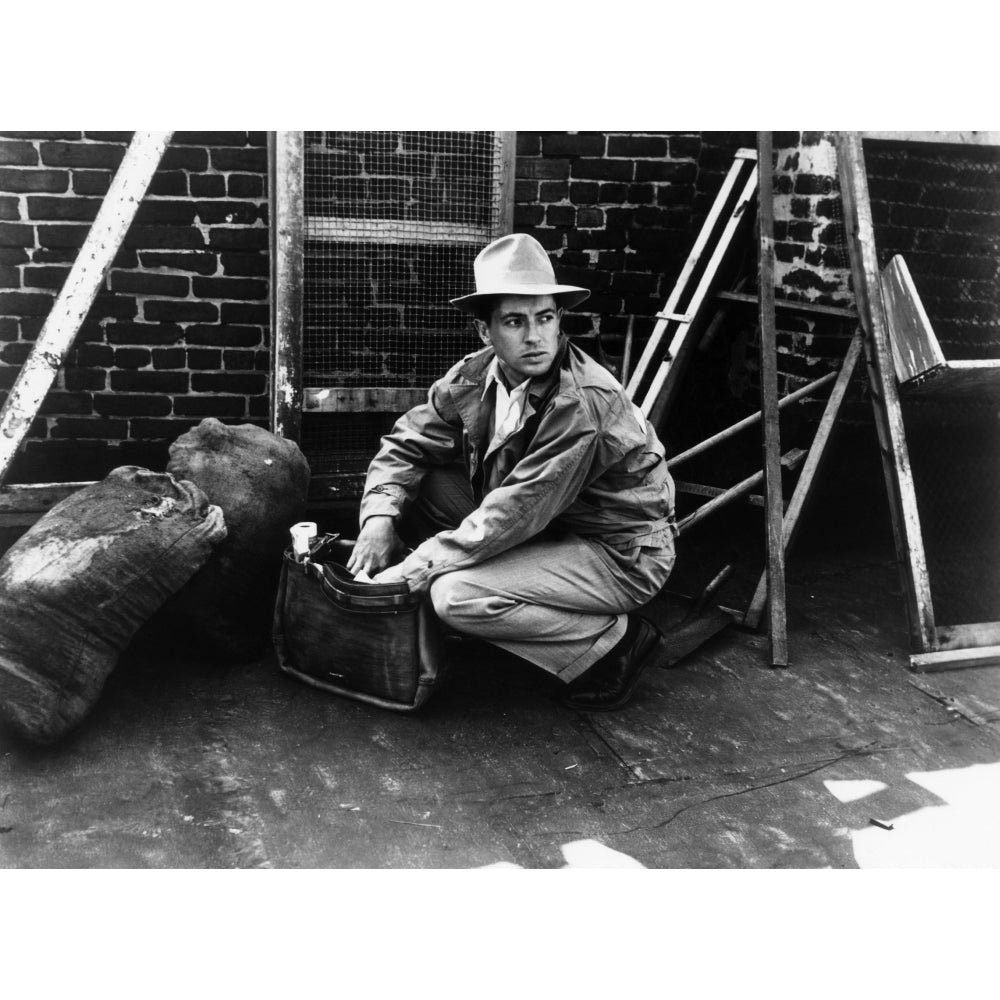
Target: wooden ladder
905	358
696	309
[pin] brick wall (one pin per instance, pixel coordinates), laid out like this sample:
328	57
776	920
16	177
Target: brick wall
179	330
939	206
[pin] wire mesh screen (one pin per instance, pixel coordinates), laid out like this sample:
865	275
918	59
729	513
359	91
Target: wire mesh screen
394	221
939	207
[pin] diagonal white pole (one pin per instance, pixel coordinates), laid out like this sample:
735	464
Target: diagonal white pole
74	301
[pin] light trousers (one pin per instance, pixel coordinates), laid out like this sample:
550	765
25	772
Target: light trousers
559	602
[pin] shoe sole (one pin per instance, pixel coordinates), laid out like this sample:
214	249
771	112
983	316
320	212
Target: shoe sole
656	651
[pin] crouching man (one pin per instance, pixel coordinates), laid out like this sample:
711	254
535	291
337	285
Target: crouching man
534	494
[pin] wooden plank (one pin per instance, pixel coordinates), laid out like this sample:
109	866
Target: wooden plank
656	404
778	631
702	490
791	460
955	659
810	469
287	184
968	380
791	305
749	421
339	399
654	345
35	497
967	636
505	182
77	295
915	348
885	397
334	229
949	138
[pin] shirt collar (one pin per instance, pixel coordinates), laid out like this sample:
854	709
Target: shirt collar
493	375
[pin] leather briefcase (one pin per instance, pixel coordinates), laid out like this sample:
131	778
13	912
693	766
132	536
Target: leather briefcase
376	643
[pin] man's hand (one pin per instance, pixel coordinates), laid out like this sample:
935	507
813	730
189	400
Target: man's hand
377	547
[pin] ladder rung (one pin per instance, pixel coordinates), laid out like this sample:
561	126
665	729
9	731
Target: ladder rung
807	307
678	317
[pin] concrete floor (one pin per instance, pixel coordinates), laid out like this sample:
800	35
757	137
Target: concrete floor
719	762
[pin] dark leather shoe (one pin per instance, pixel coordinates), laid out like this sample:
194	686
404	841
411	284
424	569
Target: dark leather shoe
610	682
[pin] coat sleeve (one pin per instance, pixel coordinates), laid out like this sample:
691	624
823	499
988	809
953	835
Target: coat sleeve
427	435
542	485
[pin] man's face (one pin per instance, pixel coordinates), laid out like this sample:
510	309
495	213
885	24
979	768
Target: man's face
524	332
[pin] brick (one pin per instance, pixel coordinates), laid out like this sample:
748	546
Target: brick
19	154
245	186
184	158
597	239
248	384
788	252
169	183
918	217
529	143
601	169
110	306
584	192
81	154
169	357
84	379
973	222
259	406
144	283
165	211
642	194
567	144
128	405
246	312
93	356
131	358
110	136
210	406
42	135
672	194
209	138
229	288
528	215
685	146
31	327
45	277
637	145
166	311
199	262
812	184
146	381
238	238
149	334
15	353
224	336
61	236
553	191
249	160
18	180
555	169
84	427
589	218
666	170
560	215
75	403
25	304
232	213
8	328
10	209
614	193
204	359
164	238
10	277
63	209
207	186
16	235
801	231
245	264
525	191
239	361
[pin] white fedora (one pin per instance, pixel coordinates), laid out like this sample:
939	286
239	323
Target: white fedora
517	265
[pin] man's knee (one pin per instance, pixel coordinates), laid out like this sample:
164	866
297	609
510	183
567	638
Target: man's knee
467	603
450	594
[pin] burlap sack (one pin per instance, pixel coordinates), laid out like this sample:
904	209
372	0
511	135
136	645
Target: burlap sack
77	586
261	483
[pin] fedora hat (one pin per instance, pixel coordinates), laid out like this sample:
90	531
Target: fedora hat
517	265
